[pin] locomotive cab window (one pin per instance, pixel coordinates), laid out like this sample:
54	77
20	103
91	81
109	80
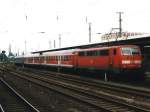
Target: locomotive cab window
130	51
135	51
126	51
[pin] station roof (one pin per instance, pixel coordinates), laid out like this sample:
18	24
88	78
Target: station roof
142	41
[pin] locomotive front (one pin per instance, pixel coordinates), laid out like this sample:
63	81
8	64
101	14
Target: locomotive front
131	59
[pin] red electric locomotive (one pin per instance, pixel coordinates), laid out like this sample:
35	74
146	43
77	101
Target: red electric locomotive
115	59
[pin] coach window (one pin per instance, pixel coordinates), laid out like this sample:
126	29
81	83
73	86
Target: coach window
64	58
56	58
43	58
69	57
61	58
37	59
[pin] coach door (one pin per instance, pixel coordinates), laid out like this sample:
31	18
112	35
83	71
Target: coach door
59	60
112	57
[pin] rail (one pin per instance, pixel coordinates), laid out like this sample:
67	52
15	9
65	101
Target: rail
1	108
18	95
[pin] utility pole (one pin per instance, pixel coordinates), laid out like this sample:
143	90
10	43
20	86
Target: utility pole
54	44
120	25
25	45
49	44
59	40
9	49
89	32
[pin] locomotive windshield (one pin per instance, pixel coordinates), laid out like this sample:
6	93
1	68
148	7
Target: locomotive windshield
130	51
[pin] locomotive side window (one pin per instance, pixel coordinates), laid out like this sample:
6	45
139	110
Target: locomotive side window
104	52
92	53
82	54
89	53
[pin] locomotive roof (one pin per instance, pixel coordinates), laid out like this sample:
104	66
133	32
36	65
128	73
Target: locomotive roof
106	47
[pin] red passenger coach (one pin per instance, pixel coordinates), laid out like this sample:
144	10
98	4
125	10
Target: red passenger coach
56	59
113	59
60	58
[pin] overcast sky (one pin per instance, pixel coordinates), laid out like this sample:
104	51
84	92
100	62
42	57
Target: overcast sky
25	20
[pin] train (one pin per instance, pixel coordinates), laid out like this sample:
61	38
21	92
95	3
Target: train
118	59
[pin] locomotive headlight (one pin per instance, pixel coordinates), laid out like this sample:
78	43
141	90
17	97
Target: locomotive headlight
137	61
126	61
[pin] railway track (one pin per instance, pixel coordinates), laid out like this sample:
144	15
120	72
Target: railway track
96	84
12	101
100	100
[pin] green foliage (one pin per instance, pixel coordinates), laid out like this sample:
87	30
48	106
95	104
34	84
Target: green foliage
3	57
